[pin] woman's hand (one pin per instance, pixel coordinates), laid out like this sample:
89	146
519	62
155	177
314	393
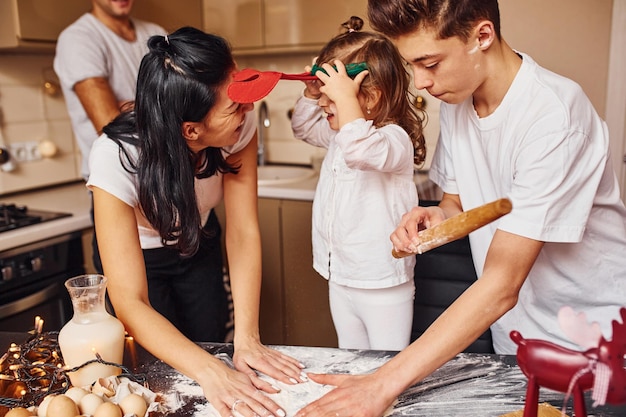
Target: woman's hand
253	355
230	391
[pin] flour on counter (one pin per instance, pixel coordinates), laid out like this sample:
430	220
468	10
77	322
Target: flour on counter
291	397
468	386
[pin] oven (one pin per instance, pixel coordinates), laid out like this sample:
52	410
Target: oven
32	276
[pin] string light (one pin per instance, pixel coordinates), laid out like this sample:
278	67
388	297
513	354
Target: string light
34	369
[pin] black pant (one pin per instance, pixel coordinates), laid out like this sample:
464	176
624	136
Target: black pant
190	292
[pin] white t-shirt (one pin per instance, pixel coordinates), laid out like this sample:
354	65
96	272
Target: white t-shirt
365	186
546	149
88	49
108	174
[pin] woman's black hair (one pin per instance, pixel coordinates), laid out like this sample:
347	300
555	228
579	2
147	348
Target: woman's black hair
178	82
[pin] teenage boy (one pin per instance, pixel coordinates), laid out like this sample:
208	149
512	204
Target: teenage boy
509	128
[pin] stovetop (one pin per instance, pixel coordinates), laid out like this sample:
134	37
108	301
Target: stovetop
15	216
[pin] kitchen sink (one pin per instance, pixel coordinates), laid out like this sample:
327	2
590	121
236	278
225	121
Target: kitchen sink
282	174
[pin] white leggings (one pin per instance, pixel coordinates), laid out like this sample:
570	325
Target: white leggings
378	319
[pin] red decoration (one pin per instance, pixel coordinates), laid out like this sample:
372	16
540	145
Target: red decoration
600	367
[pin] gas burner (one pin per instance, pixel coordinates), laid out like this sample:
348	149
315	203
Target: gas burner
13	216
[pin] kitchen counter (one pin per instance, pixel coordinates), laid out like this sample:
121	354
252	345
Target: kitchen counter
470	385
70	198
305	190
300	190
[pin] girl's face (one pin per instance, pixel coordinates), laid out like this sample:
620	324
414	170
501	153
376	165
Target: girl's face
223	123
330	108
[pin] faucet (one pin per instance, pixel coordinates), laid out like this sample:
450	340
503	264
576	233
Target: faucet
264	123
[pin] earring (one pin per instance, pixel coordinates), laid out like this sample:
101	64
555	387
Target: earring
368	111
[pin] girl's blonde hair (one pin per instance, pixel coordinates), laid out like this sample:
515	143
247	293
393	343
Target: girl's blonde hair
387	73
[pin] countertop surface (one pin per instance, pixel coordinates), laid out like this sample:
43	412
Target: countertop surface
469	385
305	190
71	198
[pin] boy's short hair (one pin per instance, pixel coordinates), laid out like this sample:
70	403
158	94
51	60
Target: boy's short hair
448	18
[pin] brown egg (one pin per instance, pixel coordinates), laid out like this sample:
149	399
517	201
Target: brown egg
18	412
134	404
43	405
76	393
89	403
107	409
62	406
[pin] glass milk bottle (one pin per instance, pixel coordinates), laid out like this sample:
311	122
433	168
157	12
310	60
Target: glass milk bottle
91	330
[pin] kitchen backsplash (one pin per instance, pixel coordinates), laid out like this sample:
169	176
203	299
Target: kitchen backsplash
30	114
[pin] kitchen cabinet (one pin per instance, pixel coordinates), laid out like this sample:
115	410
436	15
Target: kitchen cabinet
36	24
279	26
170	14
294	306
294	298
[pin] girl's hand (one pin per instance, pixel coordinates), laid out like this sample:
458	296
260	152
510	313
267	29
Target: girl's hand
252	355
342	92
338	85
230	391
312	89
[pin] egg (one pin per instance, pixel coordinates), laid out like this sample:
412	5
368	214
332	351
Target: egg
62	406
108	409
43	405
134	404
76	393
103	388
18	412
89	403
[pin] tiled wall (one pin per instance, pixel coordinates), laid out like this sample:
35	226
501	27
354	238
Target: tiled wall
29	115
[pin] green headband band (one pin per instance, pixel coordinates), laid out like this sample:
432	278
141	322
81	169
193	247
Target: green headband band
351	69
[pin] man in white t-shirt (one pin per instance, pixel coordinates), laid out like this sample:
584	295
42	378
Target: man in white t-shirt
509	128
97	60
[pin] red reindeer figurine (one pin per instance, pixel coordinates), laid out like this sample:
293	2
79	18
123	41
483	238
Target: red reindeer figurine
600	367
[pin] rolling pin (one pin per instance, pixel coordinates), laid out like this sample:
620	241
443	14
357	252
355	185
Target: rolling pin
458	226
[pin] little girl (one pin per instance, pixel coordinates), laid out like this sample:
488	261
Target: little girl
360	111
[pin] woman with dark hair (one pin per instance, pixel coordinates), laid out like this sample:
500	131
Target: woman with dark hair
157	172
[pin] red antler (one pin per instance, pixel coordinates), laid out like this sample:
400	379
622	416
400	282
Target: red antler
619	330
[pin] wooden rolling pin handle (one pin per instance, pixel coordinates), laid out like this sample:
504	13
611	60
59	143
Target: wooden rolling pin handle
458	226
